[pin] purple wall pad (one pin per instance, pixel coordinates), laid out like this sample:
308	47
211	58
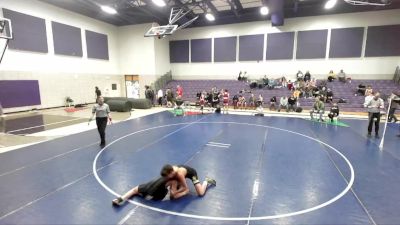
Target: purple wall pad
200	50
251	47
17	93
346	42
311	44
29	32
383	41
280	46
179	51
97	45
225	49
67	39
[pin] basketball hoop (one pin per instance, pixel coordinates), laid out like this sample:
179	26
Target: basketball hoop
5	33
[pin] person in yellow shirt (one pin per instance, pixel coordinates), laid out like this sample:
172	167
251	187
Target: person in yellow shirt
331	76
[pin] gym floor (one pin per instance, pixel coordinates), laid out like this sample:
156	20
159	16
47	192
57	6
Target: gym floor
269	170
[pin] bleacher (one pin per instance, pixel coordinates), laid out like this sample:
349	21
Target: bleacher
341	90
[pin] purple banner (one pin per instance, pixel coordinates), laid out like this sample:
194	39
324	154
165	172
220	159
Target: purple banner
17	93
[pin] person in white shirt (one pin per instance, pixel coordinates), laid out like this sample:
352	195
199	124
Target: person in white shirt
160	96
368	98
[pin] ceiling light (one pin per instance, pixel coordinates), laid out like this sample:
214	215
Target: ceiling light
210	17
108	9
264	10
159	3
330	4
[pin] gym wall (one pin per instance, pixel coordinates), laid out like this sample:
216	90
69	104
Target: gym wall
353	60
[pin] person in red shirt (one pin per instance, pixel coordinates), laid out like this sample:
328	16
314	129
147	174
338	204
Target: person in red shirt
225	99
202	101
179	91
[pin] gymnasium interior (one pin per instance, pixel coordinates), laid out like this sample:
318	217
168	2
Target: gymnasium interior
285	109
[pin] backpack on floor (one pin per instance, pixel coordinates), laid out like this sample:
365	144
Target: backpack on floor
299	109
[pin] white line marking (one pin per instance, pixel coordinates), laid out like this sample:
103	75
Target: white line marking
216	143
218	146
48	159
130	213
28	128
334	199
53	192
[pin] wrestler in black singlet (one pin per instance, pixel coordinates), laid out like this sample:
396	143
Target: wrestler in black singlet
154	190
191	174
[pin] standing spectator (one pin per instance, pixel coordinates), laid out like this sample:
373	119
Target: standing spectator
290	85
284	82
283	103
252	101
374	113
367	99
149	94
160	96
292	103
97	92
102	112
307	76
235	101
395	98
240	76
202	101
334	112
299	75
342	76
170	98
331	76
179	92
272	103
225	100
319	108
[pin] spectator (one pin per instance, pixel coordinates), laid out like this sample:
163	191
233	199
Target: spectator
283	103
374	113
170	98
296	93
179	92
334	112
252	101
307	76
313	82
368	90
361	89
290	85
97	92
225	100
299	75
235	101
395	98
331	76
272	103
265	80
319	108
160	96
308	90
240	76
260	101
292	103
342	76
202	101
284	82
329	96
215	98
242	102
149	94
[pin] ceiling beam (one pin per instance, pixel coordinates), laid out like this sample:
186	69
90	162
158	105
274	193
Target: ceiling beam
234	8
239	6
211	7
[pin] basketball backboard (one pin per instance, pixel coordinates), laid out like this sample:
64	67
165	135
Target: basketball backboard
5	28
160	31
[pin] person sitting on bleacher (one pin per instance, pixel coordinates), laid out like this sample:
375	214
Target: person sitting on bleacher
240	76
329	96
292	103
235	101
299	75
283	103
252	101
342	76
334	112
331	76
272	103
307	76
368	90
242	102
318	107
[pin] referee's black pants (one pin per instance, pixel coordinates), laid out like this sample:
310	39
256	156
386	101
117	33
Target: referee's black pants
371	117
101	123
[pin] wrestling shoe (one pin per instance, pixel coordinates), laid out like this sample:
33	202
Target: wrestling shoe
118	201
211	181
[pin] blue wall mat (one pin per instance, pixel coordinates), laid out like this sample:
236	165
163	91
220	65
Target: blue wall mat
200	50
251	47
67	39
29	32
97	45
179	51
383	41
311	44
17	93
280	45
346	42
225	49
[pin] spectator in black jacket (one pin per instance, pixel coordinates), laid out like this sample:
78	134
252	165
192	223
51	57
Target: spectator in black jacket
307	76
292	103
334	112
272	103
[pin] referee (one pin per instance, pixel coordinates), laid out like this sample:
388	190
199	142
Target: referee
102	112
